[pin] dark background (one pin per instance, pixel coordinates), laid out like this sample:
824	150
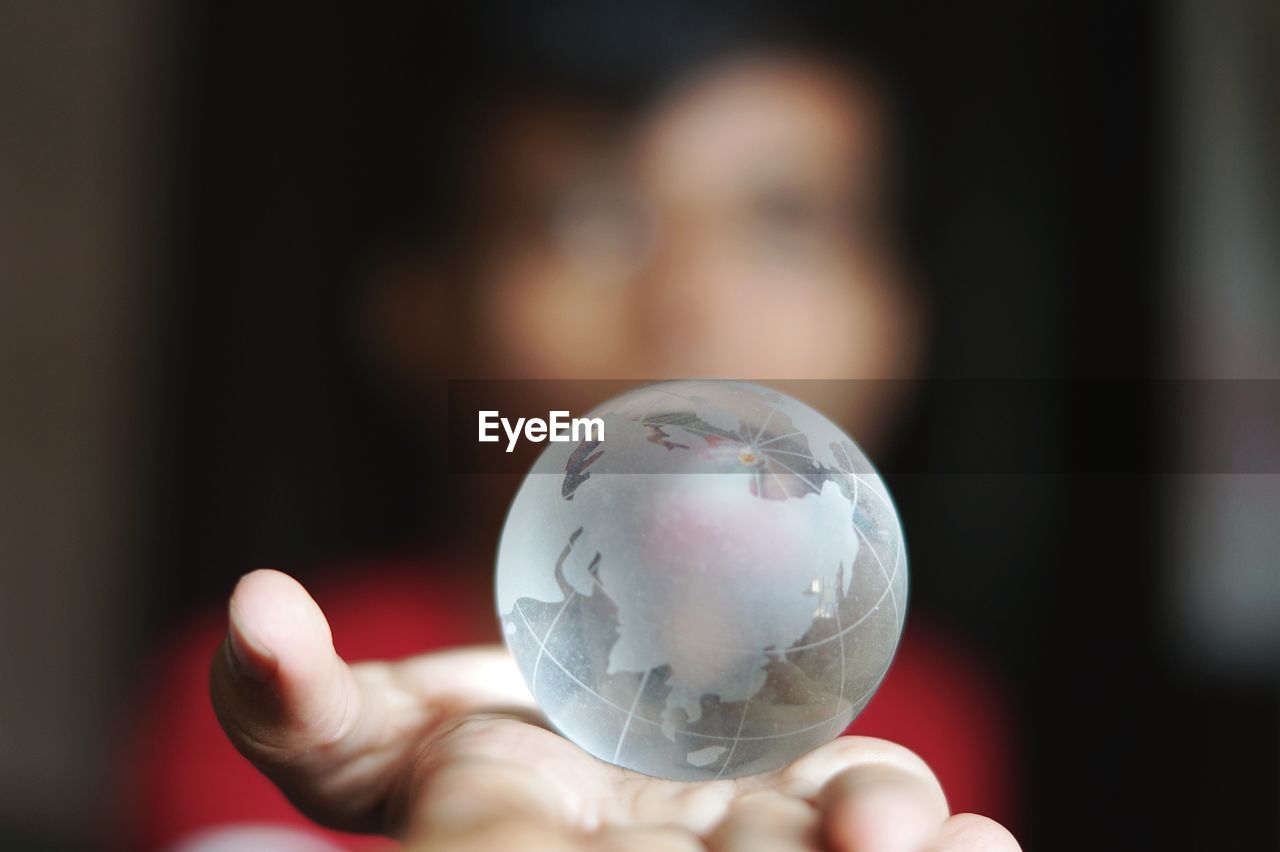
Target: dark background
1033	153
296	146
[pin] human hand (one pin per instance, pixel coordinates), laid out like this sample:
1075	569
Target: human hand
448	751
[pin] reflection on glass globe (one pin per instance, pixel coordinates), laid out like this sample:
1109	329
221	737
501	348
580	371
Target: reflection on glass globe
711	591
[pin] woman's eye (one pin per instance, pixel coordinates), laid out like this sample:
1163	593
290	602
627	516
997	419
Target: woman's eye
600	224
792	219
784	212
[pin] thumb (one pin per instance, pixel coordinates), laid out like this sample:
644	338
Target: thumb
283	695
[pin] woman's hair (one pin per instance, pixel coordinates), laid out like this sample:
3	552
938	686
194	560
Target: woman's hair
609	56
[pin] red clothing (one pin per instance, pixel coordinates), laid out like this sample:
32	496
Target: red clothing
183	774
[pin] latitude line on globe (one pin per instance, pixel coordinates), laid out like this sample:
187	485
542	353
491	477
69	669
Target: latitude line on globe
585	711
645	414
641	418
706	434
552	657
861	701
676	395
870	611
701	432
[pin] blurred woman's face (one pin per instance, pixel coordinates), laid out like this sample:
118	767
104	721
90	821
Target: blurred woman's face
736	232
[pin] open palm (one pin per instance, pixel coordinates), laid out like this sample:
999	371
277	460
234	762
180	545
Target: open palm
448	751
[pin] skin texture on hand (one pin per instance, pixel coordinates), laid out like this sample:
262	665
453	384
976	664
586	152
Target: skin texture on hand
448	751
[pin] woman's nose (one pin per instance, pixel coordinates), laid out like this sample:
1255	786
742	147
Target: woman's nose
685	292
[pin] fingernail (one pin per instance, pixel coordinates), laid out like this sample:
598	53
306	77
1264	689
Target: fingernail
252	659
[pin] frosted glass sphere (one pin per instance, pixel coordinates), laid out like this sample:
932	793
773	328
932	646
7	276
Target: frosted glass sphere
712	590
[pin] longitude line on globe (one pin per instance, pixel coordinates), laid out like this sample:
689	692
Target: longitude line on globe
795	473
780	437
870	611
841	631
888	580
631	714
737	738
542	645
843	672
764	425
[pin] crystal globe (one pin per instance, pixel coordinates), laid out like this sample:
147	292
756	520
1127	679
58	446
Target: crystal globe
713	589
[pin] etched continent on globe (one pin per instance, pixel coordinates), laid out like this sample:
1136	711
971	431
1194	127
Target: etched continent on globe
711	591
